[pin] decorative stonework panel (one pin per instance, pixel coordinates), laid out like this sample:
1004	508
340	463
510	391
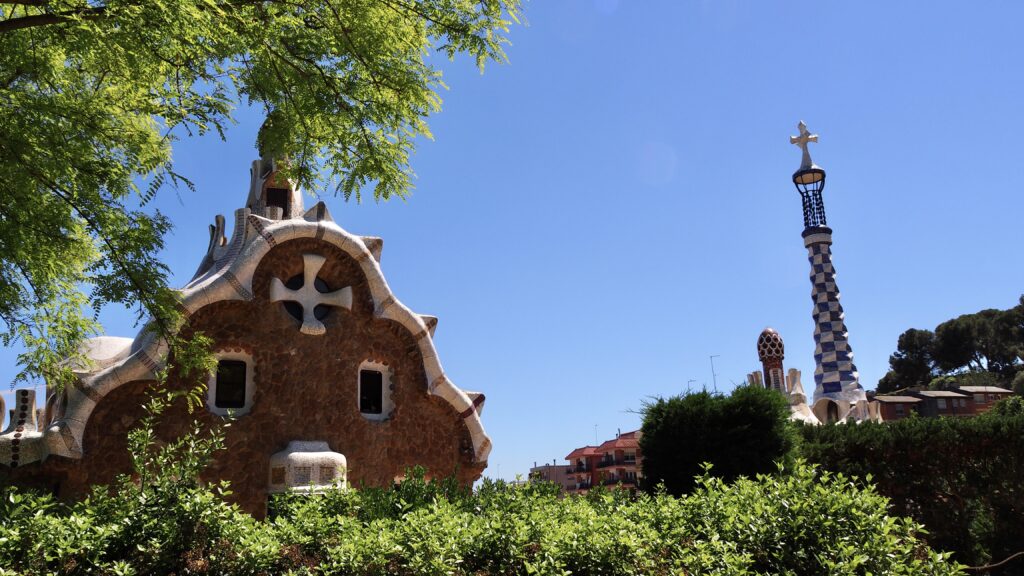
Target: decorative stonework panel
307	467
309	296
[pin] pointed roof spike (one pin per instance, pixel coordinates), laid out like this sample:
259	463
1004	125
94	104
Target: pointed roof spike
318	213
478	399
430	321
375	245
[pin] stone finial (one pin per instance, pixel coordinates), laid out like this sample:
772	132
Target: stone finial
769	345
802	141
754	379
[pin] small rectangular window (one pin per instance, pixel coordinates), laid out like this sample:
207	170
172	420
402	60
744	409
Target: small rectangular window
899	410
230	384
942	403
979	398
278	197
371	392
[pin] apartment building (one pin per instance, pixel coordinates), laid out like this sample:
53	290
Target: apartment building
614	462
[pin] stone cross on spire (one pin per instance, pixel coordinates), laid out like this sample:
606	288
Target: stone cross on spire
802	141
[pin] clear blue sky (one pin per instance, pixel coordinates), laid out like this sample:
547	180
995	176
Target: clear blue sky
595	219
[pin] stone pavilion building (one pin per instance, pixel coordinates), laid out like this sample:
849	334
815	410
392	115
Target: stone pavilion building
327	374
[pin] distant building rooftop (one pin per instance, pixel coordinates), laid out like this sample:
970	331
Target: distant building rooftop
582	452
941	394
984	390
625	440
897	399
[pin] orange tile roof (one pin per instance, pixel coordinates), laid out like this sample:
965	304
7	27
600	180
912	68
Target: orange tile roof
624	441
582	452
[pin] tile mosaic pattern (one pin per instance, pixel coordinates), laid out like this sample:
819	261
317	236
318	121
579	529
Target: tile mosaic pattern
833	357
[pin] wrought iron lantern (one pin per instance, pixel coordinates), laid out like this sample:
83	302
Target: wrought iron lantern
809	181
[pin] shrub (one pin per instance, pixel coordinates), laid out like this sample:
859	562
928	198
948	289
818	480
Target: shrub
803	522
959	477
744	434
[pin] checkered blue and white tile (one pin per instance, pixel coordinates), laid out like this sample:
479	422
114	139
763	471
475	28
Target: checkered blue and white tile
834	370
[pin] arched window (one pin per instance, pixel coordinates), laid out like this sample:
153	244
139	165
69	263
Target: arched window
833	412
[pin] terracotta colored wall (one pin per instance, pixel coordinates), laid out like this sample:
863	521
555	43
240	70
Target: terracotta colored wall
305	389
889	411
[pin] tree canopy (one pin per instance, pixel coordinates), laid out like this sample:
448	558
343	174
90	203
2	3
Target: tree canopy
986	347
94	94
743	434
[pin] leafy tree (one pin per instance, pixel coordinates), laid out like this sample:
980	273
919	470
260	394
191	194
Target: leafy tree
95	92
912	364
957	343
985	340
744	434
970	378
1018	383
960	351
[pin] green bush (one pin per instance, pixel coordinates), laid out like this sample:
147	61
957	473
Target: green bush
743	434
959	477
803	522
162	520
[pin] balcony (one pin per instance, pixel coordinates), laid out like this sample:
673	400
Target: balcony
616	462
623	481
578	470
580	486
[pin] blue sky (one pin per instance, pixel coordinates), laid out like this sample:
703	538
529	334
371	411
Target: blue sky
597	218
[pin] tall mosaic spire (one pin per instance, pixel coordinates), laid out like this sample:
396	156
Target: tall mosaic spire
838	394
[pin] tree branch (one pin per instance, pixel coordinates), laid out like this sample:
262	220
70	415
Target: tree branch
37	20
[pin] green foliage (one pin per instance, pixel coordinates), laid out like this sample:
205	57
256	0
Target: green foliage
912	363
989	341
94	93
1018	384
970	378
744	434
959	477
801	522
1012	406
162	520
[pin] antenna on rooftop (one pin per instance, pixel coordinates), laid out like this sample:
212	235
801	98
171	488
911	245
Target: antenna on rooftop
714	377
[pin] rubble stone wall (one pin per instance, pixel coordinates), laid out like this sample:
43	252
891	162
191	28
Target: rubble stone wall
305	389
